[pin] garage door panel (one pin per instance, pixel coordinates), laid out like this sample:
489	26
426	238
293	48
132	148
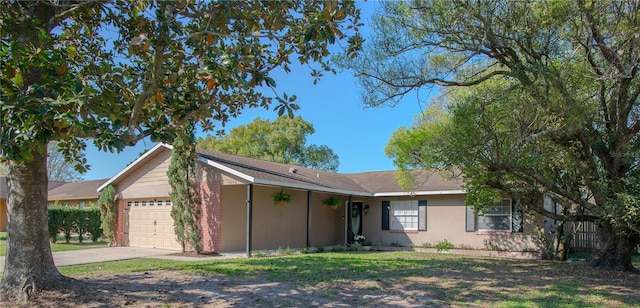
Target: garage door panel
152	227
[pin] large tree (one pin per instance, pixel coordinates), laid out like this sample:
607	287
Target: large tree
283	140
118	71
552	96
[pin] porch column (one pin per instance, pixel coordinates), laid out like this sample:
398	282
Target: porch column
249	217
308	214
349	218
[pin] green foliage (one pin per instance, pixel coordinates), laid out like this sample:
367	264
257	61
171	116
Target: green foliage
542	105
211	55
116	72
280	197
332	201
74	220
54	221
259	254
443	245
319	249
108	204
185	202
283	140
93	222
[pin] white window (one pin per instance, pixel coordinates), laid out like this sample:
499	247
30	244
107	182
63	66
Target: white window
167	202
152	203
82	204
496	218
136	203
404	215
144	203
128	203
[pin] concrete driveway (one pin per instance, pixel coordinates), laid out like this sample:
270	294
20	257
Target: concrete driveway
102	254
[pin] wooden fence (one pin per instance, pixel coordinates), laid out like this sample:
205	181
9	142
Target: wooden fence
584	236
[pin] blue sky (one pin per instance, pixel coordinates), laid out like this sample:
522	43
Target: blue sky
356	134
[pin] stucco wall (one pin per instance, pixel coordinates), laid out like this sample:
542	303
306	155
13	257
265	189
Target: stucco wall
278	226
445	220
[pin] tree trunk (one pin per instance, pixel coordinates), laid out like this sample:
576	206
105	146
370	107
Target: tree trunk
612	250
29	264
560	245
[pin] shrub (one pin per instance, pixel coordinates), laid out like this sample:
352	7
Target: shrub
54	219
69	220
320	249
444	245
259	254
108	205
93	226
339	248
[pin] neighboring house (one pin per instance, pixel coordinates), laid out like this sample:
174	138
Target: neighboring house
238	213
74	194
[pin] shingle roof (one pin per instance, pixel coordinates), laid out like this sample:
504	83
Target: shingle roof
262	172
365	183
76	190
379	182
267	172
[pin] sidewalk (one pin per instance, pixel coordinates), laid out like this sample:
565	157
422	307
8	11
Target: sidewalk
96	255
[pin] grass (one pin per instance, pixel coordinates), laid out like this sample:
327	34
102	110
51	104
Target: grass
59	246
437	279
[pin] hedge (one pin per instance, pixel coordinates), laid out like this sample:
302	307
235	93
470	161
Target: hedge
74	220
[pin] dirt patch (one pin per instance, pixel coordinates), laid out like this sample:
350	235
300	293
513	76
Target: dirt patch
193	254
351	279
176	289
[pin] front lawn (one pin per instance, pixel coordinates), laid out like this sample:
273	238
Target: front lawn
363	278
60	245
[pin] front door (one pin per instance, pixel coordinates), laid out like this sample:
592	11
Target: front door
356	220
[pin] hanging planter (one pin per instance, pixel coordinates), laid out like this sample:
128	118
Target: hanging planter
332	202
281	198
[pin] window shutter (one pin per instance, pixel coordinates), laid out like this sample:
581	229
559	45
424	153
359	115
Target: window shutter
517	217
385	215
422	215
470	219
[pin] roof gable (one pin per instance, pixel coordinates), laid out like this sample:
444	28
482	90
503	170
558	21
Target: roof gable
262	172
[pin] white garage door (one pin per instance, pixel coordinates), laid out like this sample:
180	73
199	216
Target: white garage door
150	225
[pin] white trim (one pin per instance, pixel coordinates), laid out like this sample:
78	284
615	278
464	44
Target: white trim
420	193
226	169
135	162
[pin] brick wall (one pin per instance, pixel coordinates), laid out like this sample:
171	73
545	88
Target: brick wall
211	215
120	221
